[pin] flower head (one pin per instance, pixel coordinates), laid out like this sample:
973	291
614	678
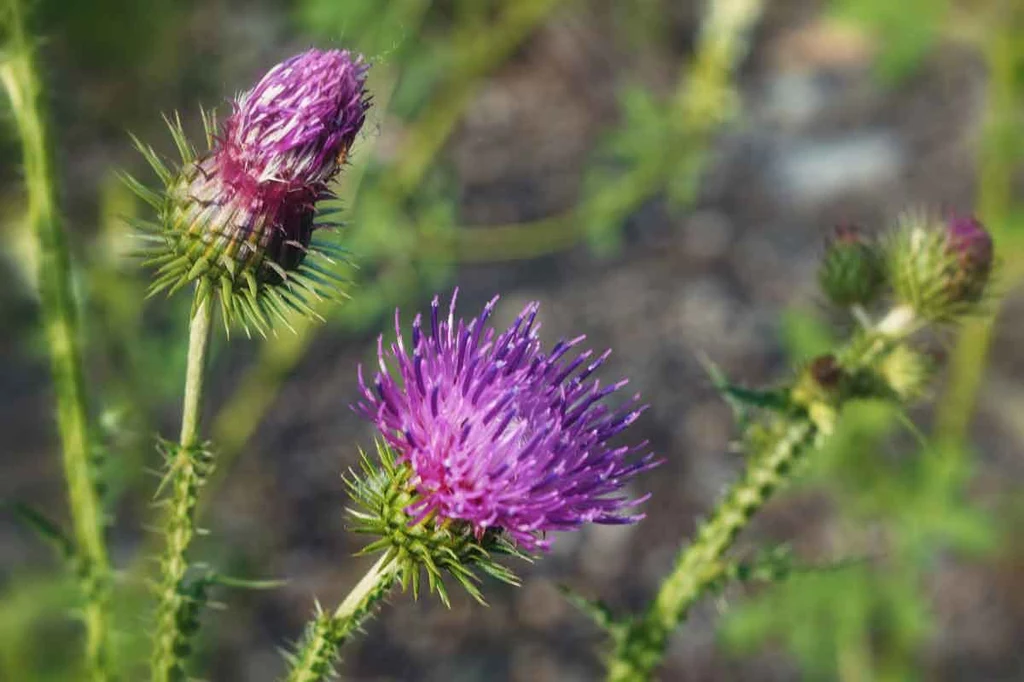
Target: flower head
971	245
242	214
939	268
253	196
852	271
500	434
296	125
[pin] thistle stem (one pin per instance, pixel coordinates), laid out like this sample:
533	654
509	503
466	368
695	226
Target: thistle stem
198	343
315	660
640	646
60	320
188	468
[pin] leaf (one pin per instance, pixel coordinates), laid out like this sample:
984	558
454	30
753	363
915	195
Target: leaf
48	530
740	398
595	609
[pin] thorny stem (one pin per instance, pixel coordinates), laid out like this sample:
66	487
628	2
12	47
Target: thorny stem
328	631
62	333
188	468
640	646
640	643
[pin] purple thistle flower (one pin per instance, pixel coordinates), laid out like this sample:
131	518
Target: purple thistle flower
296	126
500	434
253	196
971	244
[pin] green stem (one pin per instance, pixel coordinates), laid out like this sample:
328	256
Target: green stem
61	323
640	647
328	631
188	469
198	343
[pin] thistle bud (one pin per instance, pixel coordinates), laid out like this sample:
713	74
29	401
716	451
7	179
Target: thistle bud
971	246
242	214
939	268
906	372
853	271
818	388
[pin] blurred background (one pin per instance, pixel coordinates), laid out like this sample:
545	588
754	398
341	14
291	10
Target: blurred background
661	175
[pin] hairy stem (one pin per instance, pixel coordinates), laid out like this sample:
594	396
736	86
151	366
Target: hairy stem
328	631
641	646
188	467
60	320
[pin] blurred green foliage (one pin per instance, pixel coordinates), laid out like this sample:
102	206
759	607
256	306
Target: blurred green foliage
905	31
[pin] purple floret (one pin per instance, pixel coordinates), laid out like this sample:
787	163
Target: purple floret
500	434
297	124
285	140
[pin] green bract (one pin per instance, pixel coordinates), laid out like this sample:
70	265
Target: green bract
206	236
382	493
852	271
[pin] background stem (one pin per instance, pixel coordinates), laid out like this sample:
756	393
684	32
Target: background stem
60	320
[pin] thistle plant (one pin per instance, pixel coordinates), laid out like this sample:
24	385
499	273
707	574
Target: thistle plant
237	223
489	444
926	271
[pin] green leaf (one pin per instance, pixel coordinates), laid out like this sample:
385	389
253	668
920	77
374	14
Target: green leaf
47	529
741	399
595	609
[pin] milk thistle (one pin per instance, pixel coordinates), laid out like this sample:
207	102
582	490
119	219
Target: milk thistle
939	269
237	221
500	434
240	218
853	270
490	443
925	271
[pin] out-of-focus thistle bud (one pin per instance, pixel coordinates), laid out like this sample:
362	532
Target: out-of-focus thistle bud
906	372
853	270
818	388
239	218
971	245
939	268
